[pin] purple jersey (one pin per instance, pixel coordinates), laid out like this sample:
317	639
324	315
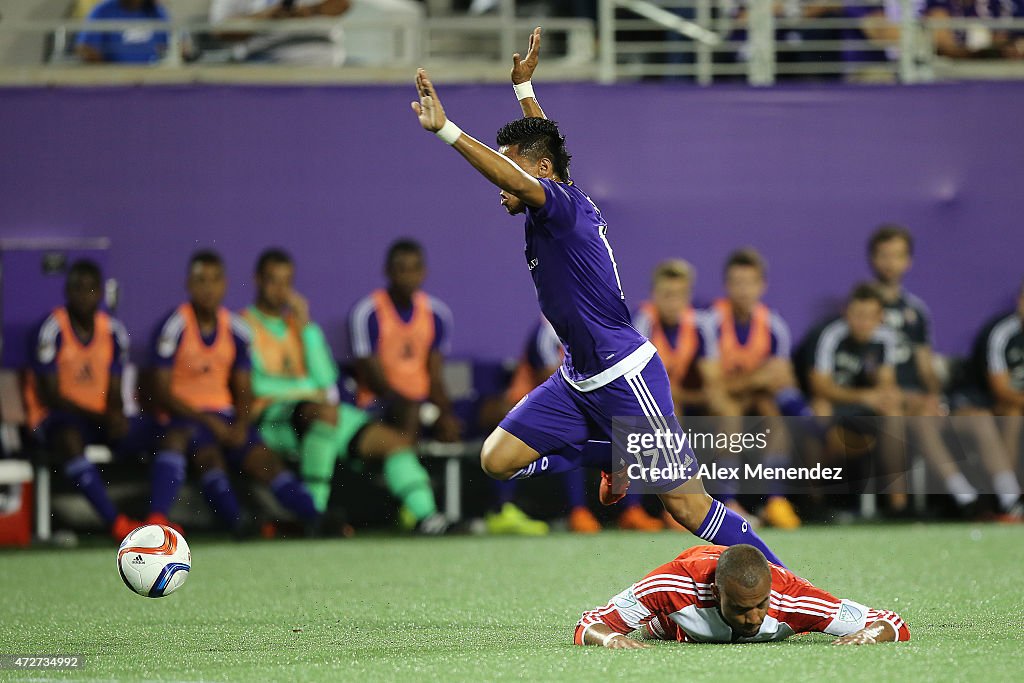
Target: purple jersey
578	287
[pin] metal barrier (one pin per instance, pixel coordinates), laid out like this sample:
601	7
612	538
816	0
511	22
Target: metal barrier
418	41
761	41
757	42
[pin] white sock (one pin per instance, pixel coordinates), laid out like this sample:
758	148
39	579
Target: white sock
1007	488
961	489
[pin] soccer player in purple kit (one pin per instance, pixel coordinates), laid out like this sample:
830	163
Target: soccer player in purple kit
610	370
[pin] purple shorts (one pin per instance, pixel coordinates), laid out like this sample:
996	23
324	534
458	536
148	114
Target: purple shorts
555	416
200	436
141	436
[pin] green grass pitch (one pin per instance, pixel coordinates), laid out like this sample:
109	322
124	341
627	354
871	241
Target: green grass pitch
485	608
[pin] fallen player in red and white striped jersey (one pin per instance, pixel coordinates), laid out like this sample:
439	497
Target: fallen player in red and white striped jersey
714	594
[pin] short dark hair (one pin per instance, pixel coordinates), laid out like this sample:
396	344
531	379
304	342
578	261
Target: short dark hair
890	231
537	138
747	257
743	564
273	256
866	291
403	245
206	257
86	267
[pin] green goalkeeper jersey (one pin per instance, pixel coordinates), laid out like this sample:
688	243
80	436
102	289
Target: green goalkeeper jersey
288	363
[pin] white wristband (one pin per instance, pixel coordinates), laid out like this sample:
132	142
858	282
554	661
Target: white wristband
449	132
608	637
524	90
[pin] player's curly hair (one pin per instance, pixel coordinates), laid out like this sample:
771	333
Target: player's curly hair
538	138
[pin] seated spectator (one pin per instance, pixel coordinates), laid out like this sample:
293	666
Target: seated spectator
202	385
980	42
890	251
756	377
73	393
330	46
794	35
683	340
311	48
135	46
999	363
678	332
852	375
293	375
879	25
399	338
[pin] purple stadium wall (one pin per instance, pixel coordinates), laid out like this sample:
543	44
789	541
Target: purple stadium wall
334	174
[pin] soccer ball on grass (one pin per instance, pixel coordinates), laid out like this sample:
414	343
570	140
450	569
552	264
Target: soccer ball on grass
154	560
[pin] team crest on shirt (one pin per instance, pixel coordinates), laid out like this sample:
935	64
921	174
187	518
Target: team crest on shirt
849	614
624	600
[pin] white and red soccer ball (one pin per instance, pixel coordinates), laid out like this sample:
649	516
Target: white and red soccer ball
154	560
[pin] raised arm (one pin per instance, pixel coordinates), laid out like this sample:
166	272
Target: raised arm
497	168
522	75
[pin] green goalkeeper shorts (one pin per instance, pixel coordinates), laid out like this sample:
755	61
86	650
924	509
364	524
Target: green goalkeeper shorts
278	431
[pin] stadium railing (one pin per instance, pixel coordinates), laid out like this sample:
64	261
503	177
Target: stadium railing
705	41
709	40
434	41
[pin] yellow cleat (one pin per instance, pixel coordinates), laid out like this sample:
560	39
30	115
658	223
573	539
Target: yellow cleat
513	521
779	513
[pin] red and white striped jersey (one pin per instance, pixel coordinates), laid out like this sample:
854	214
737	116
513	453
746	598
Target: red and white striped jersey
674	602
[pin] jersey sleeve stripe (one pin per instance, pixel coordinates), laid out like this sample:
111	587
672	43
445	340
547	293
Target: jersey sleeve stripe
997	342
666	589
241	328
804	598
642	324
447	320
668	580
549	345
783	341
359	328
49	330
170	334
825	353
676	584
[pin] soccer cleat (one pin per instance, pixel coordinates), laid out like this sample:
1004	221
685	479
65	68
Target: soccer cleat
582	521
433	525
513	521
1015	515
406	519
122	526
635	518
160	518
779	513
607	494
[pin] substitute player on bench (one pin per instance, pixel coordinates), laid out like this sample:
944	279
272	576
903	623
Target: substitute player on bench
713	594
